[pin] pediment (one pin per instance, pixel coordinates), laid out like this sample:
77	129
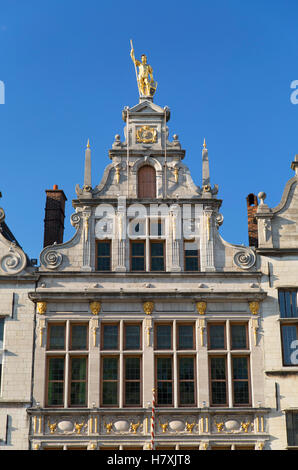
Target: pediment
146	107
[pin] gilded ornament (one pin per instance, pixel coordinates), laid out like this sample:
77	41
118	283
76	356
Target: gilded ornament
245	426
147	86
108	427
146	135
95	307
78	427
134	427
219	426
254	307
41	307
201	307
189	426
52	427
117	175
164	426
176	174
148	307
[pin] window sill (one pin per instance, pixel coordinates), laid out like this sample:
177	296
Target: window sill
284	371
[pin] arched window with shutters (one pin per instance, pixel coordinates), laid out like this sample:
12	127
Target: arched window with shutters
147	182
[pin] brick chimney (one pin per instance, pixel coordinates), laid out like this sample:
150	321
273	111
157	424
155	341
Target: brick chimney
252	206
54	216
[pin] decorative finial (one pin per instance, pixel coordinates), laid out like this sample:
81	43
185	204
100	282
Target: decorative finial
88	144
204	144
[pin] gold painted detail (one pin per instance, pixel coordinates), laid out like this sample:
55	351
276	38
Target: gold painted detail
146	135
134	427
254	307
41	307
201	307
108	427
118	175
147	86
95	307
219	426
52	427
78	427
176	174
189	427
245	426
148	307
164	426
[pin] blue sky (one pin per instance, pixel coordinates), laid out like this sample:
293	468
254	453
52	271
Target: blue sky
224	67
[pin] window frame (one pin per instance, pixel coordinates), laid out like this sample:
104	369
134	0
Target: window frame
70	381
98	242
192	324
140	380
125	325
216	323
109	323
132	242
162	242
248	380
282	324
156	381
219	405
156	325
102	381
194	380
198	257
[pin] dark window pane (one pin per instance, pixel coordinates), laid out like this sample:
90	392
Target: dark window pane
110	336
191	264
56	368
157	264
164	368
138	249
218	390
55	393
186	368
216	336
132	337
1	330
56	381
79	337
289	334
104	248
292	428
104	256
132	393
104	264
78	394
191	254
78	368
241	393
164	393
218	368
138	264
187	393
157	256
185	337
132	368
164	336
238	336
288	303
110	393
57	337
110	368
240	368
156	249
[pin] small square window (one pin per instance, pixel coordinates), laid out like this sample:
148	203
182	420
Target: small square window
56	338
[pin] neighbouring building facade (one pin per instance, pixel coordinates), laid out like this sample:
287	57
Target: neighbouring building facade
148	313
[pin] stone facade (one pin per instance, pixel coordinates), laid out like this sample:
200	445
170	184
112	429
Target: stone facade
148	296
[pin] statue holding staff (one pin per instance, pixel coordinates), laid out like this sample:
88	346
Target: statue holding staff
147	86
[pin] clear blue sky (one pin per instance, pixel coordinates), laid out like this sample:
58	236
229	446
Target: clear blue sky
224	67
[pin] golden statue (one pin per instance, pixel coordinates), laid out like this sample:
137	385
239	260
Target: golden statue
147	86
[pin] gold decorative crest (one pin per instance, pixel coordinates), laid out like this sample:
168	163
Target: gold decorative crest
95	307
201	307
146	135
148	307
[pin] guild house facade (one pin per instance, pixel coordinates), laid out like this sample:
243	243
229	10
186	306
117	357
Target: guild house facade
147	329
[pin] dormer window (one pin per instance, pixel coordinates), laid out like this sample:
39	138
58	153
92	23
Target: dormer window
147	182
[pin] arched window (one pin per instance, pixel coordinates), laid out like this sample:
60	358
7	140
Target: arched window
147	182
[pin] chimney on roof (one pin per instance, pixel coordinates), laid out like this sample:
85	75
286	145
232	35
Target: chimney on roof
252	207
54	216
